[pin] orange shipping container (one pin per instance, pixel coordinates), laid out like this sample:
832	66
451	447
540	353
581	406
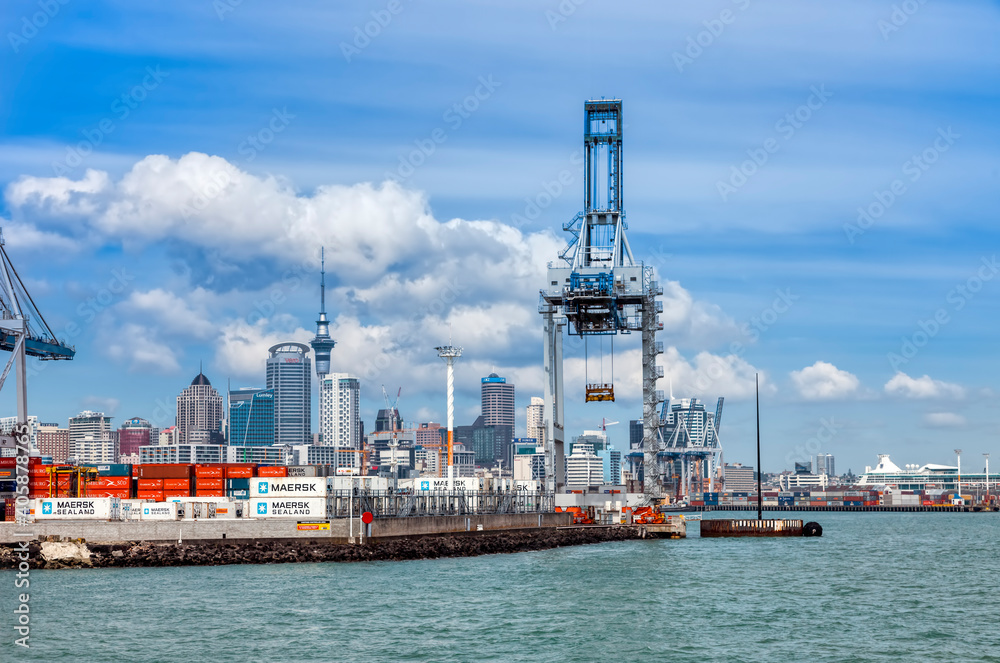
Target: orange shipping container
209	484
210	493
156	495
150	484
239	471
209	471
103	492
176	493
278	472
177	484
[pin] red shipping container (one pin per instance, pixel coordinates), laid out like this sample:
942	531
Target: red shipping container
277	471
150	484
177	484
209	484
169	471
210	471
240	471
210	493
156	495
104	492
176	493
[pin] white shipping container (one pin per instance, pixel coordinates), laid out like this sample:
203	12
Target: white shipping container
158	511
526	486
301	470
467	484
288	487
288	507
225	510
73	508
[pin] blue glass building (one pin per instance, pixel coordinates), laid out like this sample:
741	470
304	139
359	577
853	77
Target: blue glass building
251	417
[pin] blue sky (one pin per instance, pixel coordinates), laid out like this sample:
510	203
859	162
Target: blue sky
170	170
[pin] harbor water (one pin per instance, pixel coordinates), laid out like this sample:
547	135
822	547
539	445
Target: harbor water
875	587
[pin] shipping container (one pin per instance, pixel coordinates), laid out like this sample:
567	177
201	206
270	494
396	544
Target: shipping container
288	507
210	471
150	484
203	483
114	470
225	510
240	471
177	484
84	508
238	494
155	495
303	487
161	511
272	471
171	471
301	471
210	493
238	484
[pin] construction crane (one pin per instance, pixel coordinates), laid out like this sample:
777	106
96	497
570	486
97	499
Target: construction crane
23	331
603	291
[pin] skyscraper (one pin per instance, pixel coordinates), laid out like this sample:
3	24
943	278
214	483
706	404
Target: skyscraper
199	413
289	378
498	401
340	415
536	420
90	438
322	344
53	441
251	417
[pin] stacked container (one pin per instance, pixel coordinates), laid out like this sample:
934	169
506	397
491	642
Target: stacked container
210	480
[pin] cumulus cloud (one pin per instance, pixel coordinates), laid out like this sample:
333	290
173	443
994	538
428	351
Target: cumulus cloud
903	385
944	420
137	345
824	381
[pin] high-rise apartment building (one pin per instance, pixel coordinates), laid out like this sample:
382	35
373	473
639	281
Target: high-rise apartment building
825	465
536	420
583	467
340	415
90	439
53	441
251	417
289	378
199	413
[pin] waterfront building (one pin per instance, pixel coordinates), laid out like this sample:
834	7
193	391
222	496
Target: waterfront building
825	464
583	467
529	460
53	442
183	453
199	413
276	454
536	420
134	433
340	416
802	480
739	478
289	378
94	428
251	417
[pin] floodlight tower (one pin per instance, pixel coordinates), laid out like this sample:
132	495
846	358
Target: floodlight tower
603	291
449	353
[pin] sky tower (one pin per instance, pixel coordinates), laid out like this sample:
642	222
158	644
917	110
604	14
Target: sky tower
322	344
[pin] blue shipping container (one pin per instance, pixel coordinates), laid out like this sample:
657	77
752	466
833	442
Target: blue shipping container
238	494
238	484
114	470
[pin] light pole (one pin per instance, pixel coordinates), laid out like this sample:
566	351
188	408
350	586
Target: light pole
987	457
958	453
449	353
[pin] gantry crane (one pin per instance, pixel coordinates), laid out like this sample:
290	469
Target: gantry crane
603	291
23	331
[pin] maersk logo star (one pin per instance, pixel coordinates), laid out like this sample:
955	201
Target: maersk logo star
47	507
262	508
262	487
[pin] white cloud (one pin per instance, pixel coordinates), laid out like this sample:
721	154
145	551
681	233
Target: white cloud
710	375
138	346
824	381
903	385
944	420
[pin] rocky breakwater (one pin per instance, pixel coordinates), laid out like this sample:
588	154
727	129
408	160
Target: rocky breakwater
58	554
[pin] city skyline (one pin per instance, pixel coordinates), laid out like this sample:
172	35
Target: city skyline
822	221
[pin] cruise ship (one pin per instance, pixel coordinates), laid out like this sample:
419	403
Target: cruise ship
923	477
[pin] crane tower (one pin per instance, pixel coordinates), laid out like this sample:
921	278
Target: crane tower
603	291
